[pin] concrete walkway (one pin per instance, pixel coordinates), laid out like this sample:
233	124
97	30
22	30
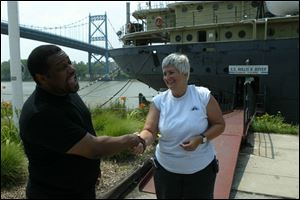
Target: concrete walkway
267	168
268	165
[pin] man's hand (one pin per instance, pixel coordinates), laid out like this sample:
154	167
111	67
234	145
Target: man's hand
141	147
132	140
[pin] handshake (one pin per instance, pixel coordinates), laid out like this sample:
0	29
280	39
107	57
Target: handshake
137	144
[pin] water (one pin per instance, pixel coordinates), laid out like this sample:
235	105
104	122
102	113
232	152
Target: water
95	94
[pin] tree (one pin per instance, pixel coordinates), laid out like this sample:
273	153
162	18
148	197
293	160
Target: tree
81	70
5	71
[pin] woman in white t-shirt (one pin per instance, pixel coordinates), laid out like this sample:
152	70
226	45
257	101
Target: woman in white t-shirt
187	118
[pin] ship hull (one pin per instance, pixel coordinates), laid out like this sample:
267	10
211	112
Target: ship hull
210	63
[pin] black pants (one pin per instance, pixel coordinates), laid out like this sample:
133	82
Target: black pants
199	185
35	191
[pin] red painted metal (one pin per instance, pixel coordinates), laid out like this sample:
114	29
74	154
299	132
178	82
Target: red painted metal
227	146
147	183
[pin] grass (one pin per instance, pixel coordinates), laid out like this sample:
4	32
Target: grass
13	164
273	124
110	123
116	121
13	161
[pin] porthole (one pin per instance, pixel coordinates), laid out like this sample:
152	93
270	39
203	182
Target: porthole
189	37
242	34
215	6
229	6
207	69
178	38
184	9
228	34
199	8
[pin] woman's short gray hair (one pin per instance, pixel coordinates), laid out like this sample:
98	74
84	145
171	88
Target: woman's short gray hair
179	61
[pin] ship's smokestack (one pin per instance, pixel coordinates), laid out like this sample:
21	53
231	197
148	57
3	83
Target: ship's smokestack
127	12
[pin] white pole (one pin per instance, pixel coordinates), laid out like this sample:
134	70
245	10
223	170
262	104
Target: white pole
15	61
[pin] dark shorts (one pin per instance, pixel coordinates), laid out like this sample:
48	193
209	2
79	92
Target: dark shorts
199	185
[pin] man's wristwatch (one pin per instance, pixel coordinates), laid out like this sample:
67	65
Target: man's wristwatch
204	138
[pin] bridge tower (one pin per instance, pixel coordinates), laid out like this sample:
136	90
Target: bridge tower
97	34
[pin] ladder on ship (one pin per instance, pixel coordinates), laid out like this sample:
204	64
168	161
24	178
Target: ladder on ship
261	102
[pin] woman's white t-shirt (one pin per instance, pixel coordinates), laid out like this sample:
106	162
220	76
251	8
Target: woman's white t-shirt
180	119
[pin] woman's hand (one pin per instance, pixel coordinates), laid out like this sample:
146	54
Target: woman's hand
191	144
139	149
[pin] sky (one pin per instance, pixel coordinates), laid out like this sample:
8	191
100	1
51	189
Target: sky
59	13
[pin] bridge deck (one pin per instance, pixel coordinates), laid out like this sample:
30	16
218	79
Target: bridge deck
227	147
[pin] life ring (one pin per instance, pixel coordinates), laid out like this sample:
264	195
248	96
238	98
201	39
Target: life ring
159	21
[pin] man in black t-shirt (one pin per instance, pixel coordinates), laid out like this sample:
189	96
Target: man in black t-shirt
57	132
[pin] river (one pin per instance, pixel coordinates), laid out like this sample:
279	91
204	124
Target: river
95	93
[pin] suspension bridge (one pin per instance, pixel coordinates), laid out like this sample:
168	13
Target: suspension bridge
88	34
80	35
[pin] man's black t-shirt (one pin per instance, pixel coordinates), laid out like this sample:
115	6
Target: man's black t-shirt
49	126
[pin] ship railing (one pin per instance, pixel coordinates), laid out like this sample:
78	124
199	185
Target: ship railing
200	19
215	17
152	5
225	100
249	107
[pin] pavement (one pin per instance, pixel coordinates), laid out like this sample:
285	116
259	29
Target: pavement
267	168
268	165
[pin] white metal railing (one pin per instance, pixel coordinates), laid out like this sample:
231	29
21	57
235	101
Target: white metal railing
152	5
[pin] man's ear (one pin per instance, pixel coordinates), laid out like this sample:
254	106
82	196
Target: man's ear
42	79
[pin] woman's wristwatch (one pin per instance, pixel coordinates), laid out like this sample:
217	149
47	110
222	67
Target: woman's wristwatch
204	138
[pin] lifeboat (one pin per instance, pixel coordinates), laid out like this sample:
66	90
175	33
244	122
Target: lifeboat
282	8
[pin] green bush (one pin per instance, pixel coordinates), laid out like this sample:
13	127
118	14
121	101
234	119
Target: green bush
110	122
9	132
13	164
139	113
119	107
273	124
6	109
8	129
